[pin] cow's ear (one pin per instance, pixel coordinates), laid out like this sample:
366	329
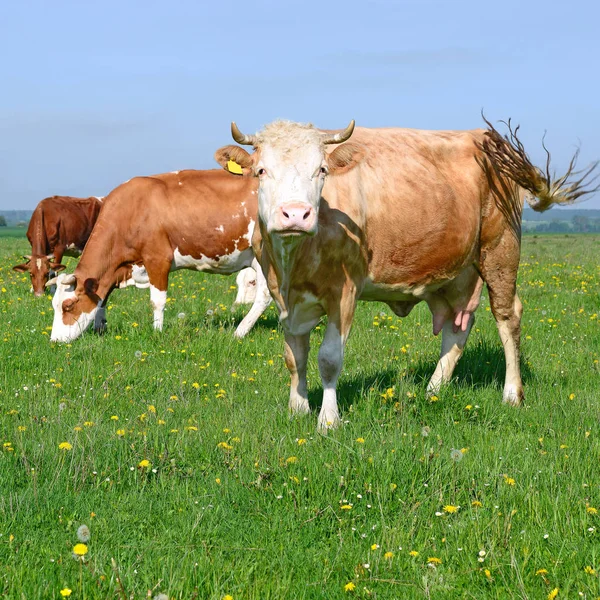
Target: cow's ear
90	286
57	267
21	268
345	157
235	160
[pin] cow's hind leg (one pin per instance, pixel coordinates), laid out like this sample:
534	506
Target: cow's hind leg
453	344
261	302
499	269
296	358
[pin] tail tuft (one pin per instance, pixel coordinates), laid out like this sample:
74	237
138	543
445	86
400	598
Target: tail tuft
508	157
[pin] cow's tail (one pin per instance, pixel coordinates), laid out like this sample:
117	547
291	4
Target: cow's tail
508	158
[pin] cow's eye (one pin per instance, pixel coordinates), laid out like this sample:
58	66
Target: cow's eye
323	170
261	172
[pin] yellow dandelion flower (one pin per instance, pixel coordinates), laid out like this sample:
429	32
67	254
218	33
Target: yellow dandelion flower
80	549
120	432
346	507
21	428
553	594
66	592
218	481
542	572
450	509
388	555
301	441
374	546
413	553
65	446
591	510
360	440
433	398
590	570
195	385
434	560
291	460
508	480
224	446
350	587
152	408
77	428
487	573
227	597
114	418
144	464
476	504
468	407
571	396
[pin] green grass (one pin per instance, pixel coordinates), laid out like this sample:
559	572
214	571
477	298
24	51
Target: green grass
241	500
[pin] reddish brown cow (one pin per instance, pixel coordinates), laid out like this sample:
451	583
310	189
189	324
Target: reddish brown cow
59	226
200	220
395	215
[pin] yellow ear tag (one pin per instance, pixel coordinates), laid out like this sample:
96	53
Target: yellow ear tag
233	167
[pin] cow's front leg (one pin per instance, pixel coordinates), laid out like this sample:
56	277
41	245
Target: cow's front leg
331	356
261	302
296	357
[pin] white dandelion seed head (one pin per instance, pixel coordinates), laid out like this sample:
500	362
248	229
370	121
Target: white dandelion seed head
425	431
138	354
62	406
181	315
161	597
456	455
83	533
210	312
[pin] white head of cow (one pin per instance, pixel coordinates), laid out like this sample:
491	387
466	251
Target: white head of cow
74	308
291	163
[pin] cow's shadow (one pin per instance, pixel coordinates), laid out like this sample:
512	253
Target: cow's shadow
482	365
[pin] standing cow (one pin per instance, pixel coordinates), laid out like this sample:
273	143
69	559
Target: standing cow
59	226
395	215
200	220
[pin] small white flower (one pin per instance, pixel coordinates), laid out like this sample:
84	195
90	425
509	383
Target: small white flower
83	533
438	514
546	536
482	553
366	565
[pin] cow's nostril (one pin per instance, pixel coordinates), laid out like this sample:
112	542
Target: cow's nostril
285	214
306	215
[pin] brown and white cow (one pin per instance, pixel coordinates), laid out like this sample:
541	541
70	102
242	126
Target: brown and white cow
200	220
59	226
395	215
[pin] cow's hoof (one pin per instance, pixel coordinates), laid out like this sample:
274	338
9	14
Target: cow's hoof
512	395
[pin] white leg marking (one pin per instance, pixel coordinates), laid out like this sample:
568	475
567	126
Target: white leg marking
158	299
513	388
261	302
331	356
452	348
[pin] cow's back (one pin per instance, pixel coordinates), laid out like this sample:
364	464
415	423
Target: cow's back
417	198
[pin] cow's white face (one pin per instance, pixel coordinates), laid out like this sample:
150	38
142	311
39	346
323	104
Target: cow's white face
74	311
246	285
290	185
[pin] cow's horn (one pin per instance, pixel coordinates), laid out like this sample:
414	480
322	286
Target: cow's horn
50	256
69	279
51	282
340	136
242	138
27	256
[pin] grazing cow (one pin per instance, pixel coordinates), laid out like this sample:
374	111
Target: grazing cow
200	220
59	226
395	215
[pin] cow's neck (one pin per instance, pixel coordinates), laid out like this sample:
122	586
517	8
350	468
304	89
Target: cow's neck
282	253
99	266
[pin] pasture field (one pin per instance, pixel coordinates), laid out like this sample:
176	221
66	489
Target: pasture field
177	452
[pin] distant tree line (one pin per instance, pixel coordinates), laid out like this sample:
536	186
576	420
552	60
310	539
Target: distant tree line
577	224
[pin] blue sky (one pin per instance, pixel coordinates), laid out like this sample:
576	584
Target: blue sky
96	93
